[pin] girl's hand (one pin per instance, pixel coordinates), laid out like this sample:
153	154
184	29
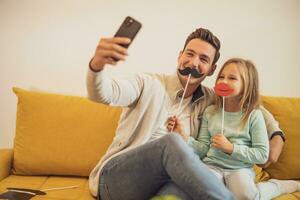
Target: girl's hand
219	141
174	125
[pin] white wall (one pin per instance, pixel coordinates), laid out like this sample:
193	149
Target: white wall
46	45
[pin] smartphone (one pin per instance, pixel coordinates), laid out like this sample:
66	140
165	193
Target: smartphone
129	28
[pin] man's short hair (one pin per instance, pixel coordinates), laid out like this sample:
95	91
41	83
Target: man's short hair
207	36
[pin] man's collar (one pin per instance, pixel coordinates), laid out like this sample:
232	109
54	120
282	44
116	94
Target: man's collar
197	94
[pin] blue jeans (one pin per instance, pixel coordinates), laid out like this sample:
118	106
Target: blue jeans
162	166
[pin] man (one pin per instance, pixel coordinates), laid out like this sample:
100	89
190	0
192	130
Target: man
144	159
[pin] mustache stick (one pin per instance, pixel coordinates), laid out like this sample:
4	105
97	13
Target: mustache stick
181	100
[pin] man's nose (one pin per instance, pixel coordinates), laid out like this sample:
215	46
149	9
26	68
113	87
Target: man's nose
196	61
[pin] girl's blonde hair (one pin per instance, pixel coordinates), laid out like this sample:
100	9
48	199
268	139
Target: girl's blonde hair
250	98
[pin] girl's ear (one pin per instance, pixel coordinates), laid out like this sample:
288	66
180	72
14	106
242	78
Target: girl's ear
212	70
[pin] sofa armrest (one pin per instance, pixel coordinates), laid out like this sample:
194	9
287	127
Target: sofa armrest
6	158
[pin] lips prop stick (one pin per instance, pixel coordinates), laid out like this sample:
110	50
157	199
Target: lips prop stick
223	90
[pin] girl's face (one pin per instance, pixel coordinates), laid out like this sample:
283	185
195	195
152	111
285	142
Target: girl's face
231	76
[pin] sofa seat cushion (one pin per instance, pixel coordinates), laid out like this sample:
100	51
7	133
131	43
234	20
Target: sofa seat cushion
293	196
45	182
60	134
81	193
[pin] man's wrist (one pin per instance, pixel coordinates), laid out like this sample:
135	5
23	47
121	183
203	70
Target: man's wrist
278	133
91	68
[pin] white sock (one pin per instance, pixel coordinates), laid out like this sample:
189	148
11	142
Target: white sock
286	186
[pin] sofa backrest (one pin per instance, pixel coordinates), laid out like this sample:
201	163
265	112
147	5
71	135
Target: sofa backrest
60	135
67	135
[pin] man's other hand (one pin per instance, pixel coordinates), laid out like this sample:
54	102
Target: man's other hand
276	145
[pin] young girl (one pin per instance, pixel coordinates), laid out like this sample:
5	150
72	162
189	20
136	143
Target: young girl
244	142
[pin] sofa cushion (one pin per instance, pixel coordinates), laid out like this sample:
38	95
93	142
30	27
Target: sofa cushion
60	135
6	156
287	112
260	174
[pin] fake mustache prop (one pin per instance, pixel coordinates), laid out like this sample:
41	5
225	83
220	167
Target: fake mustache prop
187	70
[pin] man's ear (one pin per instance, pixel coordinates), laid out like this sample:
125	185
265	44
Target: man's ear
212	70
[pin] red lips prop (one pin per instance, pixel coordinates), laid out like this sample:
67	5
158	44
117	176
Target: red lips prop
222	89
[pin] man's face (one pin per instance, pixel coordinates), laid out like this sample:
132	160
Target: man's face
197	54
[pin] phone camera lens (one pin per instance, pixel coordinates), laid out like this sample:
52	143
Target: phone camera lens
129	22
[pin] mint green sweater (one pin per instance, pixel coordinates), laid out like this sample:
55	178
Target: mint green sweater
251	144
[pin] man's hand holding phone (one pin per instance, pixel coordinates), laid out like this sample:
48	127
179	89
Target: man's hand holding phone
111	50
108	51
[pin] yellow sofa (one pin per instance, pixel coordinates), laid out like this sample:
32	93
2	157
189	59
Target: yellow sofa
59	139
